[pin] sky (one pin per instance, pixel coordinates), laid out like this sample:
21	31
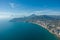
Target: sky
27	7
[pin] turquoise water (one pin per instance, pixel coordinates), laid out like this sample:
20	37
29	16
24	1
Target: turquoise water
23	31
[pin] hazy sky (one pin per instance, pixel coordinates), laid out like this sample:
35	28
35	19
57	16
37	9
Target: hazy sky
26	7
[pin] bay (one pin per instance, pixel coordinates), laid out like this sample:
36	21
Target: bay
23	31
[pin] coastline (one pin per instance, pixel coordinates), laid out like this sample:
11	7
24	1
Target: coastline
45	27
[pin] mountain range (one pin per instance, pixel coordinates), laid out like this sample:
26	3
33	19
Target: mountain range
36	17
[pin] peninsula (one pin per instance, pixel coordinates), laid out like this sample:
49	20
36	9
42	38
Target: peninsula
49	22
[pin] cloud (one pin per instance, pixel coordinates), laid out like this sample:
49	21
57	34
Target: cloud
46	12
12	5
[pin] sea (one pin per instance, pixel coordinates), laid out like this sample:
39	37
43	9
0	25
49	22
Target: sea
23	31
